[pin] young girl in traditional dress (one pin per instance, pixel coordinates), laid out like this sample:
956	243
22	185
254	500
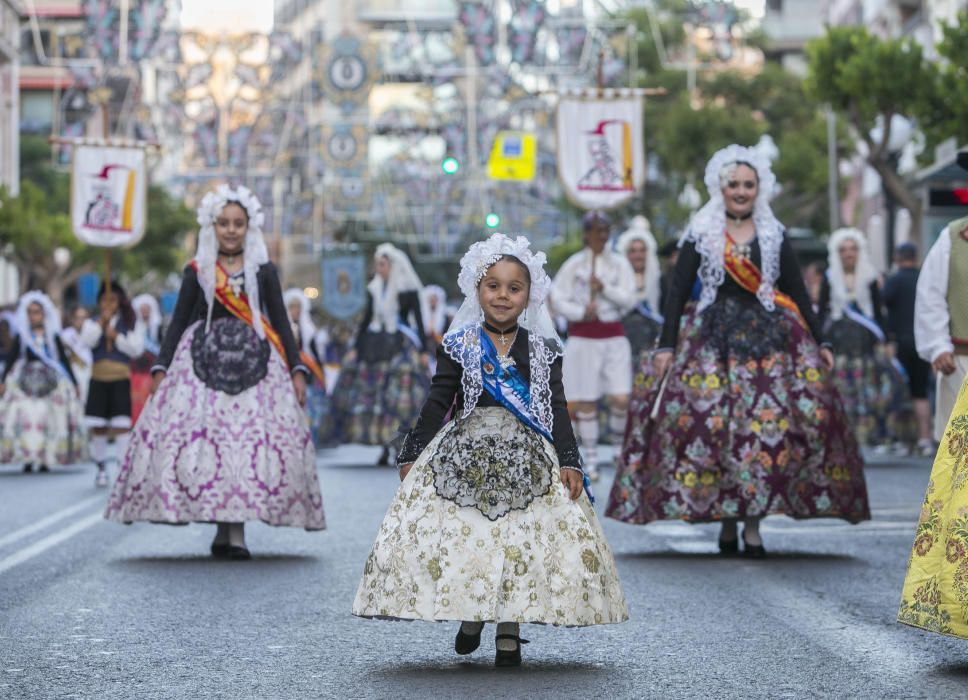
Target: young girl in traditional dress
149	313
643	324
736	419
385	379
875	393
223	439
115	339
490	523
306	336
41	413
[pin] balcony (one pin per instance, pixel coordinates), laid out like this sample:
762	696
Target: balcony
425	14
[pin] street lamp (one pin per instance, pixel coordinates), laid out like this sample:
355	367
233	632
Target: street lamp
492	220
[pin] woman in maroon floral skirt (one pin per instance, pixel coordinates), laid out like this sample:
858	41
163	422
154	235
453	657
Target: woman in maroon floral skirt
736	418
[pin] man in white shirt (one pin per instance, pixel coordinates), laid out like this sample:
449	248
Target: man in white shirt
941	313
594	290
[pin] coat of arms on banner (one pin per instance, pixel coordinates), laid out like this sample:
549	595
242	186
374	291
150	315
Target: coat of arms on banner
344	285
601	155
108	195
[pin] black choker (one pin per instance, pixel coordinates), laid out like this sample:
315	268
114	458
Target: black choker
739	219
230	255
509	329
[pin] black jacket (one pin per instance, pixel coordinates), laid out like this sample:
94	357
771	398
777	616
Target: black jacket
62	357
446	390
875	291
191	307
409	306
790	282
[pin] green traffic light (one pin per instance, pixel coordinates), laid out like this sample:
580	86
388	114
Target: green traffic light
450	166
492	220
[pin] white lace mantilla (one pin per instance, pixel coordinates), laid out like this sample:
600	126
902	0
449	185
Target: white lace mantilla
708	227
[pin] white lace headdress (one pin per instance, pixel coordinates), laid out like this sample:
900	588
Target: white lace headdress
708	226
52	328
640	230
254	256
864	274
463	339
385	292
307	329
434	318
154	314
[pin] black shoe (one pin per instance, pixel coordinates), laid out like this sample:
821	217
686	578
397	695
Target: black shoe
729	548
220	551
504	659
753	551
384	457
467	643
28	468
235	553
43	468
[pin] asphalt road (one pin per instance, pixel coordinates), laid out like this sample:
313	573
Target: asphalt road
91	609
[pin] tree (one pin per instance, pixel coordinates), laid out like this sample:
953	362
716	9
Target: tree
36	223
870	80
945	113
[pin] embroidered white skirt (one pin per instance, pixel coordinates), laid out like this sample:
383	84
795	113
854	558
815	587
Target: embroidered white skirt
545	561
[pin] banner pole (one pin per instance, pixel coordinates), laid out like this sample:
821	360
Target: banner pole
108	289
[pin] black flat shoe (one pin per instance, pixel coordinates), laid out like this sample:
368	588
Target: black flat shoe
729	548
467	643
220	551
753	551
506	659
235	553
28	468
384	460
43	469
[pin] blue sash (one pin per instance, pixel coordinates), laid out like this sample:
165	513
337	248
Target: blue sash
857	316
510	390
507	387
647	311
410	334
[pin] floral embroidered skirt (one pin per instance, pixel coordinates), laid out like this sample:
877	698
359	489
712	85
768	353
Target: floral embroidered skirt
219	441
378	393
483	529
935	593
748	425
41	418
875	392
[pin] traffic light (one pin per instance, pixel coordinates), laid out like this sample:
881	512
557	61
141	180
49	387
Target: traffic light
450	166
492	220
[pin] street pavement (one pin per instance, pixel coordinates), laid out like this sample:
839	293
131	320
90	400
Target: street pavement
92	609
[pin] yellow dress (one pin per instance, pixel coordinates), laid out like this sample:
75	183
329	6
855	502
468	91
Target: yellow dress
935	594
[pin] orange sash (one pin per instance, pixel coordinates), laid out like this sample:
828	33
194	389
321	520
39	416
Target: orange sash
239	307
748	276
314	367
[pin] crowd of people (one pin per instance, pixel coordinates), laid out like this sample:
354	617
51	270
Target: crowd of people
738	384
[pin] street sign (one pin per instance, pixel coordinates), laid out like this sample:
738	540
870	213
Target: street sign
512	157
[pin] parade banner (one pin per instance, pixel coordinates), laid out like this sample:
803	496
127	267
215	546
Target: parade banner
344	285
601	154
512	157
109	195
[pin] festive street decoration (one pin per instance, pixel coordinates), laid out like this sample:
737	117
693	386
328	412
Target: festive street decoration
601	154
109	194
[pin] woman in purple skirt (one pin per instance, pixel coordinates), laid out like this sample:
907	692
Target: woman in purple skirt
737	418
223	438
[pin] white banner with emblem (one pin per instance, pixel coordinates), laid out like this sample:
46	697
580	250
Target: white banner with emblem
601	150
109	188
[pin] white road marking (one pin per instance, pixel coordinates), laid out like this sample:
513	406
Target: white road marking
48	521
40	546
